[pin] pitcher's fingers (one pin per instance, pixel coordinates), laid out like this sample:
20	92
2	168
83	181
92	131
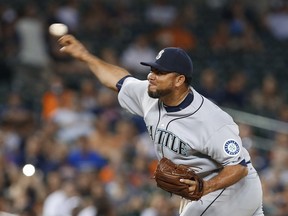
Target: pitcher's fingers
192	188
66	40
187	181
63	49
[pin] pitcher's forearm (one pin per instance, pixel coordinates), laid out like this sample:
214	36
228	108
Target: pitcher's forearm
106	73
227	177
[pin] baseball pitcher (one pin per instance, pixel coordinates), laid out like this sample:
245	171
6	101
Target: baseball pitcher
201	157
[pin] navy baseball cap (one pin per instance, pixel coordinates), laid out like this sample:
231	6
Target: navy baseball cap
172	59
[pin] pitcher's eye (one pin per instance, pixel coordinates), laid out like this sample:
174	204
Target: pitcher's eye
158	72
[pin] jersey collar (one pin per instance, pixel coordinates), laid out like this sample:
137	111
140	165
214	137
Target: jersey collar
186	102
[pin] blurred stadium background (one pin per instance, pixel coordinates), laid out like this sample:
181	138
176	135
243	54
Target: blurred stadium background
91	157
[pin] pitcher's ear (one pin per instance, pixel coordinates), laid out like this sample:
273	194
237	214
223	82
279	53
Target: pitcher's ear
180	80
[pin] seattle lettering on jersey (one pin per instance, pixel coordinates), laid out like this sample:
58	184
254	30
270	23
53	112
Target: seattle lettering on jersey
169	140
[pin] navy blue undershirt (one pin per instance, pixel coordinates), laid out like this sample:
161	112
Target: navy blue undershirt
121	81
186	102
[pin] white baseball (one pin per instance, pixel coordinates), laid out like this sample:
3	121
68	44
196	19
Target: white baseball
28	170
58	29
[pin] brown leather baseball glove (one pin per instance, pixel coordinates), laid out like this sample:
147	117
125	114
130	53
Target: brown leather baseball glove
168	175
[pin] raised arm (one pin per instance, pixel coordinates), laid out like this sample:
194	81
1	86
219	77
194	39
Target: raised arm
106	73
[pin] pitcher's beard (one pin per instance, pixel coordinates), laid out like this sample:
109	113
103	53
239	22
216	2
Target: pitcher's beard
159	93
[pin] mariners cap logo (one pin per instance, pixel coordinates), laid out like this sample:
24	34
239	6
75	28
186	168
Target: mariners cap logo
231	147
160	54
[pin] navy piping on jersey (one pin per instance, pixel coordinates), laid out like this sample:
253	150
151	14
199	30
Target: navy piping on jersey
186	102
121	81
188	114
159	116
212	202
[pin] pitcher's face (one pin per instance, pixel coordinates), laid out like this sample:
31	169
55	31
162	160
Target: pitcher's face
161	83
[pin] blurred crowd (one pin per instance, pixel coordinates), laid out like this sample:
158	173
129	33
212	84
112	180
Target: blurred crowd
93	158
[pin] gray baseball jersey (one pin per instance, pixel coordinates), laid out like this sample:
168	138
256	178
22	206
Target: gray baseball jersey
195	133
